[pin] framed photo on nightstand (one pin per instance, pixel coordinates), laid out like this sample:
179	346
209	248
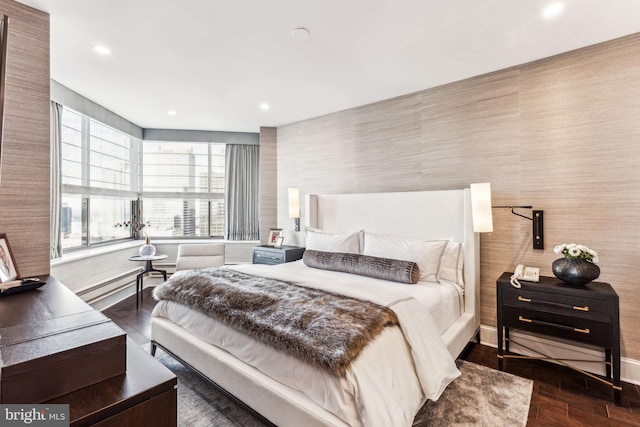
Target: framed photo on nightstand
274	233
279	242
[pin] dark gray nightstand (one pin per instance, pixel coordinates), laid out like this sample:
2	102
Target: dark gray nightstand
269	255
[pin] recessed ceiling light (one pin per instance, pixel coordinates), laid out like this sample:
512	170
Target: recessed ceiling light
264	106
102	50
553	10
300	33
172	112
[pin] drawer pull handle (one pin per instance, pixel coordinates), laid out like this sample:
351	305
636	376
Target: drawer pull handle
569	328
555	304
266	256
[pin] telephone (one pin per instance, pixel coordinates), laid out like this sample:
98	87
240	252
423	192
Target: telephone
530	274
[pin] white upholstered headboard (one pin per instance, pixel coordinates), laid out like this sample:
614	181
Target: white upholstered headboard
424	215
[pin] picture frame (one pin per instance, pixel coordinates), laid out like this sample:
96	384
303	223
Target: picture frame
279	242
8	268
274	233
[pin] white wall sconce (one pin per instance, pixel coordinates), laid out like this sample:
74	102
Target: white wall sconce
482	218
294	206
481	207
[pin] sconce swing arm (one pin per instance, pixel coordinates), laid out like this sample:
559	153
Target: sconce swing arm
516	207
538	224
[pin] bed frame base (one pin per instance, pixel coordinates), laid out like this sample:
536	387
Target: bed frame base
280	405
266	399
266	422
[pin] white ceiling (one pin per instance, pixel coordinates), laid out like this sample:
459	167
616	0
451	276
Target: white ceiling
216	61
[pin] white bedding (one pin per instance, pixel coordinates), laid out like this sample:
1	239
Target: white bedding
441	299
416	364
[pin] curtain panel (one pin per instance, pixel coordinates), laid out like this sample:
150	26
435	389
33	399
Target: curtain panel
241	192
56	179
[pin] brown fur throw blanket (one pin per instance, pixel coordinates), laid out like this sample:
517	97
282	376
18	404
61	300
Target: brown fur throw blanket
318	327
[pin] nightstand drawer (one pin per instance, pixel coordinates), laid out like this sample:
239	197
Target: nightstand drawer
569	327
267	257
573	306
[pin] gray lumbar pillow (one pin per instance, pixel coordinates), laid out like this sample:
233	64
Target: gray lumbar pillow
380	268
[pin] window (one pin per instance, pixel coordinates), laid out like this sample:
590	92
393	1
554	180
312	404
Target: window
98	181
105	173
183	188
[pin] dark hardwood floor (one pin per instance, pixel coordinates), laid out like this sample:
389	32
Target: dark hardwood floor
561	396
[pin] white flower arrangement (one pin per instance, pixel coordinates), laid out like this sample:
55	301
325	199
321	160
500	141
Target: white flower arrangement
574	251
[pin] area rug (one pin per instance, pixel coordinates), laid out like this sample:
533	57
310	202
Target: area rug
480	397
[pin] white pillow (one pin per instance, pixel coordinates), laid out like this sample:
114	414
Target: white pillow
451	266
319	240
425	253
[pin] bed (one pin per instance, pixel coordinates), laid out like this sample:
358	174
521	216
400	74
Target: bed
395	373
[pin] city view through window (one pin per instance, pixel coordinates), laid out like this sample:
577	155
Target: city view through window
109	177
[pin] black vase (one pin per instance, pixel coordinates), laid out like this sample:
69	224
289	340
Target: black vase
575	271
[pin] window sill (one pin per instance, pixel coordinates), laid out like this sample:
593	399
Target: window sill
100	250
105	249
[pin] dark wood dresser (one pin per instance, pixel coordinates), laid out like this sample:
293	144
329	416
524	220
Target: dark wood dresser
144	396
55	348
588	315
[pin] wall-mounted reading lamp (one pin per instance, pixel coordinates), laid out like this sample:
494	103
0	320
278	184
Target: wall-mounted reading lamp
482	218
294	206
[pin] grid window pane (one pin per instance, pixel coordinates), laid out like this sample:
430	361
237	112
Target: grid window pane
72	149
175	166
176	217
98	177
71	221
217	218
105	213
98	157
110	158
218	152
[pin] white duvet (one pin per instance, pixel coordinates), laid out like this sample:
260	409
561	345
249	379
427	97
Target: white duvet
392	377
